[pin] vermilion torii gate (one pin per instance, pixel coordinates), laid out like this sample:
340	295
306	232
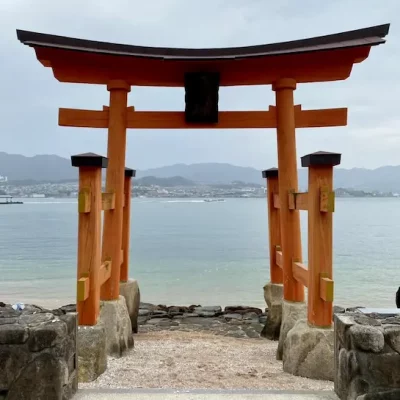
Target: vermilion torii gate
202	72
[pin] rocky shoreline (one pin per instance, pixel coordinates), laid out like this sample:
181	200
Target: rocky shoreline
233	321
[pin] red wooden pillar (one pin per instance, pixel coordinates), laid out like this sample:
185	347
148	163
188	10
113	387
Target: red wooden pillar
321	202
126	223
89	235
288	182
274	228
112	230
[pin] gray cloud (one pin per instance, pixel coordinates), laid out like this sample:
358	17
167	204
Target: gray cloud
31	96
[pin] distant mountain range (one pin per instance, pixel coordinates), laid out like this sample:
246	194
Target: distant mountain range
50	168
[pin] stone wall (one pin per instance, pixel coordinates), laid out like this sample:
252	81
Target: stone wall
37	354
367	356
233	321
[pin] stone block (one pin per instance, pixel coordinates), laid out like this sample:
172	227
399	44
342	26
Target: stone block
291	313
117	324
309	351
273	295
37	354
367	357
130	291
92	352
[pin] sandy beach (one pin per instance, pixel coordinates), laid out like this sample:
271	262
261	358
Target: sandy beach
196	360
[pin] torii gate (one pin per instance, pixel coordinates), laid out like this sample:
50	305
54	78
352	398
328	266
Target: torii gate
202	72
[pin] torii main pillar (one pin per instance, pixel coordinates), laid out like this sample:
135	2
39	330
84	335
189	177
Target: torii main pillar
112	225
288	182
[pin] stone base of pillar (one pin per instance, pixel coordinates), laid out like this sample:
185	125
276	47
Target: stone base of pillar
291	313
130	291
273	295
92	354
309	352
117	324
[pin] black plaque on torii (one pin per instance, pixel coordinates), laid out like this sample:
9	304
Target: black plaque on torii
201	97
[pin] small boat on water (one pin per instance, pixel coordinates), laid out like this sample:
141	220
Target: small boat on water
213	200
4	199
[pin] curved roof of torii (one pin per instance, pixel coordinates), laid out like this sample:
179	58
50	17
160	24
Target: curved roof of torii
317	59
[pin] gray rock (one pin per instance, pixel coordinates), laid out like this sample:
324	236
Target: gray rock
308	352
385	321
198	321
13	334
157	321
367	338
354	309
242	310
229	317
386	395
365	320
117	323
35	319
392	337
263	320
159	314
208	311
45	336
41	379
189	315
291	313
147	306
273	295
367	363
168	322
92	352
338	310
251	315
130	291
143	320
37	354
143	312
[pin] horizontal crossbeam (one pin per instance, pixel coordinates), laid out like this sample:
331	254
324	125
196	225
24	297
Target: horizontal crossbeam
83	288
227	119
105	272
299	201
300	273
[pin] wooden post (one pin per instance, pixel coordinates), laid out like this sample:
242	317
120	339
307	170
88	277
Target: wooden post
112	231
287	164
89	235
274	227
129	174
320	185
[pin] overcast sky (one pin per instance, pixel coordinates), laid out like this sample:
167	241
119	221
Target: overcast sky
30	95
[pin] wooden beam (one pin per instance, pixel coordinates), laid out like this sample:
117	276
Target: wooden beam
105	272
327	201
326	288
274	230
278	256
298	201
276	201
83	118
113	219
84	201
321	118
288	181
83	289
227	119
107	201
300	273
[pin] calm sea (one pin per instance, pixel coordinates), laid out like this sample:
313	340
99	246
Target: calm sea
191	252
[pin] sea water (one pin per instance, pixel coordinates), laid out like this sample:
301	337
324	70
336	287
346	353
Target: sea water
187	251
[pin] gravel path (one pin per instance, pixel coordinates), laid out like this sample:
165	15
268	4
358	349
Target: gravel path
203	361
